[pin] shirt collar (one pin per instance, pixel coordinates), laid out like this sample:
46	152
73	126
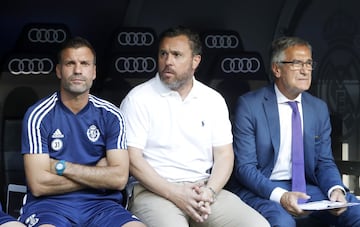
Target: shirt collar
282	99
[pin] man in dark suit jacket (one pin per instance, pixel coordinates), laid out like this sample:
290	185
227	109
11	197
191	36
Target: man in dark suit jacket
262	140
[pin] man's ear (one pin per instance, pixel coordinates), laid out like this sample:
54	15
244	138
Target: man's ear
58	71
94	77
275	69
196	61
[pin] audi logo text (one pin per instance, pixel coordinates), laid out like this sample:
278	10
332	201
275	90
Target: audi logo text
28	66
240	65
221	41
44	35
135	38
135	64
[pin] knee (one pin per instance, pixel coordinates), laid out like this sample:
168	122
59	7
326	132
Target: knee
284	220
276	215
351	216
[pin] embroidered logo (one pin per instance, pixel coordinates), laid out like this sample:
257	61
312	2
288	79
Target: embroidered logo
93	133
31	220
57	134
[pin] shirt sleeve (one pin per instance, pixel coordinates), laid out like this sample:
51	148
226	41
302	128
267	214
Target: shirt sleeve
136	122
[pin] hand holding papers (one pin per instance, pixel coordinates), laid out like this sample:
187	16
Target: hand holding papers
325	205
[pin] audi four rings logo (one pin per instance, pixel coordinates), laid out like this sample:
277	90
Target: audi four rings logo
46	35
135	38
28	66
135	64
221	41
240	65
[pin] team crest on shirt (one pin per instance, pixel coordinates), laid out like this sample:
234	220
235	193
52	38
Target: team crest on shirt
32	220
57	143
93	133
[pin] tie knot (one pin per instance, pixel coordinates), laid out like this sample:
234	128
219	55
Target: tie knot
293	105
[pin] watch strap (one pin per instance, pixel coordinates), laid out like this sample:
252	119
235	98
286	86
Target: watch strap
60	171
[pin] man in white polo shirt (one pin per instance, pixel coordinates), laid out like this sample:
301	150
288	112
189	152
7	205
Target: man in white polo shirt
180	144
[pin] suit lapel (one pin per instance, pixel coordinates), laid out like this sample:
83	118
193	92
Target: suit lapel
309	119
272	117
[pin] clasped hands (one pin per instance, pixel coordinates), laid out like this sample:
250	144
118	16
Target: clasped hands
194	199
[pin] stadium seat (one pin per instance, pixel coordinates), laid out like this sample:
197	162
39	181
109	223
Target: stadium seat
27	74
130	59
15	198
15	106
216	43
234	74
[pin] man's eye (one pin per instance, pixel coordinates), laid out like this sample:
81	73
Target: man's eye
297	62
69	63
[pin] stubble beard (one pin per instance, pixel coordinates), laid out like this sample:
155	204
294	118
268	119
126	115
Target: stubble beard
176	84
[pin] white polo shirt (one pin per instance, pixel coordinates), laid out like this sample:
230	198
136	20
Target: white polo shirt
176	135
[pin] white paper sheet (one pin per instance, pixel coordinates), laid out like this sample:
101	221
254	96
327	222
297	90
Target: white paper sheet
325	205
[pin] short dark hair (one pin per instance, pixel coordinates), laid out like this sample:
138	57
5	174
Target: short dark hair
279	45
76	42
194	37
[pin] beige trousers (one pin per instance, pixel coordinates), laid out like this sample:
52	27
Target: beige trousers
228	211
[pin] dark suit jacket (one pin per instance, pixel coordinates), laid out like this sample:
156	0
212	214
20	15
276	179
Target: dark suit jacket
257	142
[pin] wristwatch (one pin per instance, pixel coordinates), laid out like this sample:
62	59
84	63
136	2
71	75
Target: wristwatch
60	167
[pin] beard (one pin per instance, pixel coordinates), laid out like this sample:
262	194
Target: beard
174	85
176	82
